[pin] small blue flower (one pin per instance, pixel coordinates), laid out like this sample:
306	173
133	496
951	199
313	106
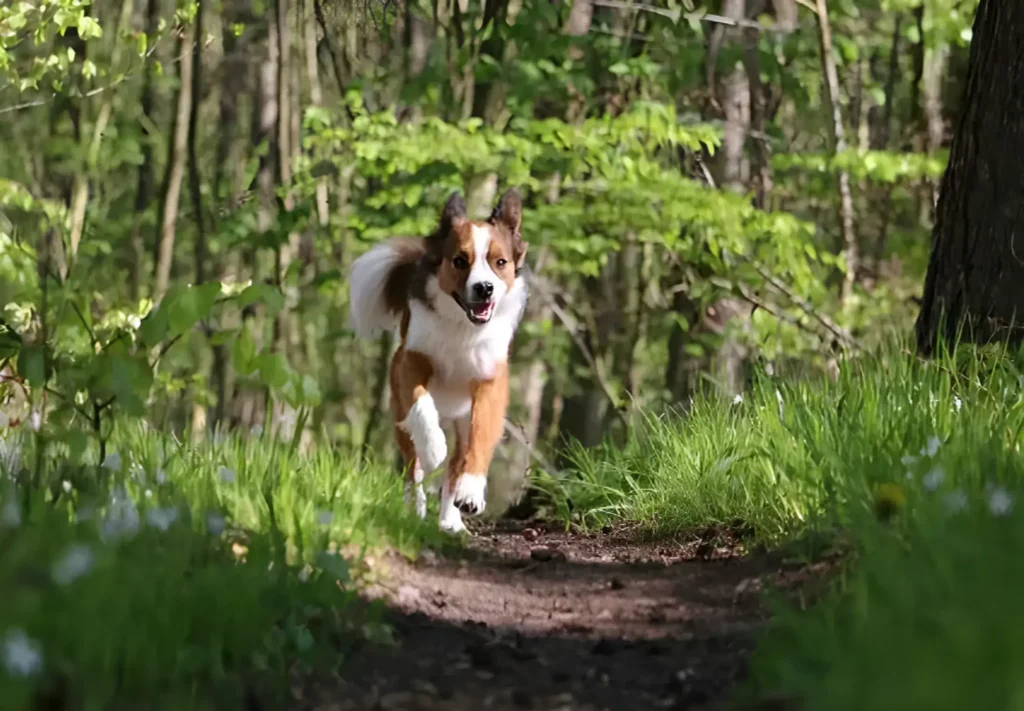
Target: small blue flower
22	656
76	562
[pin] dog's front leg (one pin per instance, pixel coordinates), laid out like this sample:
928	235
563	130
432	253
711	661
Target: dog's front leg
465	487
412	372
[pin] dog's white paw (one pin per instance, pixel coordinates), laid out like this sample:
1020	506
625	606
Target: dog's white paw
424	426
470	494
450	518
451	521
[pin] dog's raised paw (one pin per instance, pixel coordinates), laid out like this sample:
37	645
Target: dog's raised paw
424	427
470	494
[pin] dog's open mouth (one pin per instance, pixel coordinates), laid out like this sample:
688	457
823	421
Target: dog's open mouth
478	311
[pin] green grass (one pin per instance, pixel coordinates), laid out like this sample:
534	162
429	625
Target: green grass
924	616
222	578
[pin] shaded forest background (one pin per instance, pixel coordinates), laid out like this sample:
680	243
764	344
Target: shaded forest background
711	190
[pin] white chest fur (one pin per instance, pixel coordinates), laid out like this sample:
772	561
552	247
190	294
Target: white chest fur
459	350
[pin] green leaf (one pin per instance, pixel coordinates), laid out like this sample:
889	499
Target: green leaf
244	352
270	296
32	365
274	370
10	342
190	306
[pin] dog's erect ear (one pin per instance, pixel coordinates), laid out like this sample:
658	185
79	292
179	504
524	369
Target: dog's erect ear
519	255
509	212
453	213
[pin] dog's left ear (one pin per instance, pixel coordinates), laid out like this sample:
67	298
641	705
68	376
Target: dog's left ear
509	213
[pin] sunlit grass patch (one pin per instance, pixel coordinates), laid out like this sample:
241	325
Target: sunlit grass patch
188	576
915	464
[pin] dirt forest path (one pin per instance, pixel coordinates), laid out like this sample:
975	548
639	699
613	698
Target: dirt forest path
530	618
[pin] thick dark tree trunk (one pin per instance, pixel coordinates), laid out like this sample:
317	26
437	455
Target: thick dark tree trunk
976	273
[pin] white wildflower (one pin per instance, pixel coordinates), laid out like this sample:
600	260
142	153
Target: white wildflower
737	399
22	656
957	403
76	562
769	368
226	474
999	501
137	471
933	479
66	486
35	420
324	518
161	518
112	462
908	460
956	501
122	520
256	430
10	513
932	448
215	523
149	493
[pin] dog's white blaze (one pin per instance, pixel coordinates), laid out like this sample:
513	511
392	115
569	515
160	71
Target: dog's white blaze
482	270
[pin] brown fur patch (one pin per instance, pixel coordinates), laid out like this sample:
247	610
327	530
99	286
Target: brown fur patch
397	287
487	421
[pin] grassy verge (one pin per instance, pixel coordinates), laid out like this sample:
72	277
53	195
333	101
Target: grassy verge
916	464
185	577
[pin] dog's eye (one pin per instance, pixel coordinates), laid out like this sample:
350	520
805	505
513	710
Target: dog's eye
501	263
460	262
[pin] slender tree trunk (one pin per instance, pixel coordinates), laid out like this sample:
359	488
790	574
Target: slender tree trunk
882	140
931	85
144	182
976	272
205	366
177	151
316	98
851	246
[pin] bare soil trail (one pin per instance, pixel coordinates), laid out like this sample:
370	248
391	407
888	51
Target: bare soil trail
529	618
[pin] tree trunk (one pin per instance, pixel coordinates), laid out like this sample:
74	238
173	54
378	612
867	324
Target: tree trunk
144	184
175	167
205	366
976	271
851	247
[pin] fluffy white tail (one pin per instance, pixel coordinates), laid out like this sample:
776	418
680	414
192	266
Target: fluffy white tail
378	285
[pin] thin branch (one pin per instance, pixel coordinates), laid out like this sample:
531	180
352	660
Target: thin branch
92	92
805	306
572	325
517	433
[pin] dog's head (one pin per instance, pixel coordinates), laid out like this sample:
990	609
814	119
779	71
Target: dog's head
478	261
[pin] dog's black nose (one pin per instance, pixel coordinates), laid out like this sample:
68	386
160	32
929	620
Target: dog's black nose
483	289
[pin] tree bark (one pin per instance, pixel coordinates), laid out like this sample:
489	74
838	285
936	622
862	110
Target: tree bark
144	181
976	272
851	246
175	168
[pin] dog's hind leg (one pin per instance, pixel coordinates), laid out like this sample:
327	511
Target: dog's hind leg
414	494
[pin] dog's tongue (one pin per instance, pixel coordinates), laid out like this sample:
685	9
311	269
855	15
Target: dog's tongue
482	311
